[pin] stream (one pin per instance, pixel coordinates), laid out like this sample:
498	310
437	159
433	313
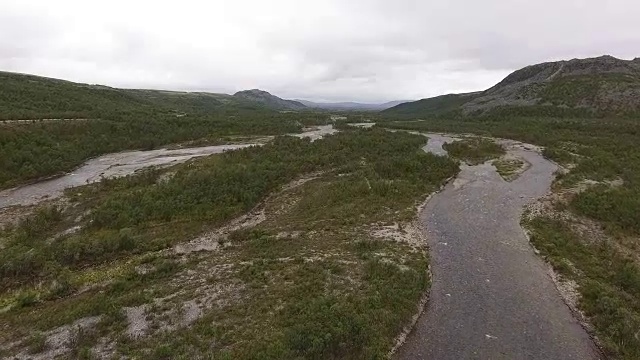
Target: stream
491	296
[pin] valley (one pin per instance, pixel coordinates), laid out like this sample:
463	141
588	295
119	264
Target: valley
156	224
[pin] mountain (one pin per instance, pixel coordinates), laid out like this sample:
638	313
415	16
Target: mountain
269	100
24	96
351	106
602	86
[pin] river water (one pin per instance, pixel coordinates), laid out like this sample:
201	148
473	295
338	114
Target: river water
492	296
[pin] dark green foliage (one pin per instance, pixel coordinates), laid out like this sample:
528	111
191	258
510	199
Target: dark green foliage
618	209
358	326
32	151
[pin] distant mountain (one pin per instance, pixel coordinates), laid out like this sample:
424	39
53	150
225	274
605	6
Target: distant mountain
602	86
347	106
269	100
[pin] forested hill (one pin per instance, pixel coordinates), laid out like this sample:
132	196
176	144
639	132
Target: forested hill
33	97
602	86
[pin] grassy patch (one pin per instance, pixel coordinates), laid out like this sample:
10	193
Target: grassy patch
509	168
474	150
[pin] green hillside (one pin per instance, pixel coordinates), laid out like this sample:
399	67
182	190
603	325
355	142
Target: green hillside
34	97
436	106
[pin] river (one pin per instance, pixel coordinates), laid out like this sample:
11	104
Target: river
122	164
491	296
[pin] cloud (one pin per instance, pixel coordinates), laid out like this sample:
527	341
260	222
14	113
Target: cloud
364	50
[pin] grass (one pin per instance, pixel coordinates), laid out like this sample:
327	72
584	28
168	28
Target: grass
36	343
474	150
508	168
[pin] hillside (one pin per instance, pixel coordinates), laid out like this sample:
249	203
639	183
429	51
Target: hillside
443	104
351	106
603	86
271	101
25	96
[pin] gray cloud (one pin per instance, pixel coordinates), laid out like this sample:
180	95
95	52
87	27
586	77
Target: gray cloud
364	50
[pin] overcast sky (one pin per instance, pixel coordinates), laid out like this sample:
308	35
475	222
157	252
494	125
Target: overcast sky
332	50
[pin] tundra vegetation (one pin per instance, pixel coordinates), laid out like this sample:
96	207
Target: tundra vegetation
474	150
327	263
588	228
45	148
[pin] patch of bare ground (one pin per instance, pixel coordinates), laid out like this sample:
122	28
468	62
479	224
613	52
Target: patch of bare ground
12	215
57	342
410	233
181	309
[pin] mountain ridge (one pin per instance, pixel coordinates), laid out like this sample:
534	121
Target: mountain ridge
602	86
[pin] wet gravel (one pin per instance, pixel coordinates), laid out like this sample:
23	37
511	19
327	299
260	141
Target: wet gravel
491	297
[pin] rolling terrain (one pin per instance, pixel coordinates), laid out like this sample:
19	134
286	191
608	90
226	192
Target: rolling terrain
25	96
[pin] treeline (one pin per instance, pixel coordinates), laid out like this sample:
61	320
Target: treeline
35	150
